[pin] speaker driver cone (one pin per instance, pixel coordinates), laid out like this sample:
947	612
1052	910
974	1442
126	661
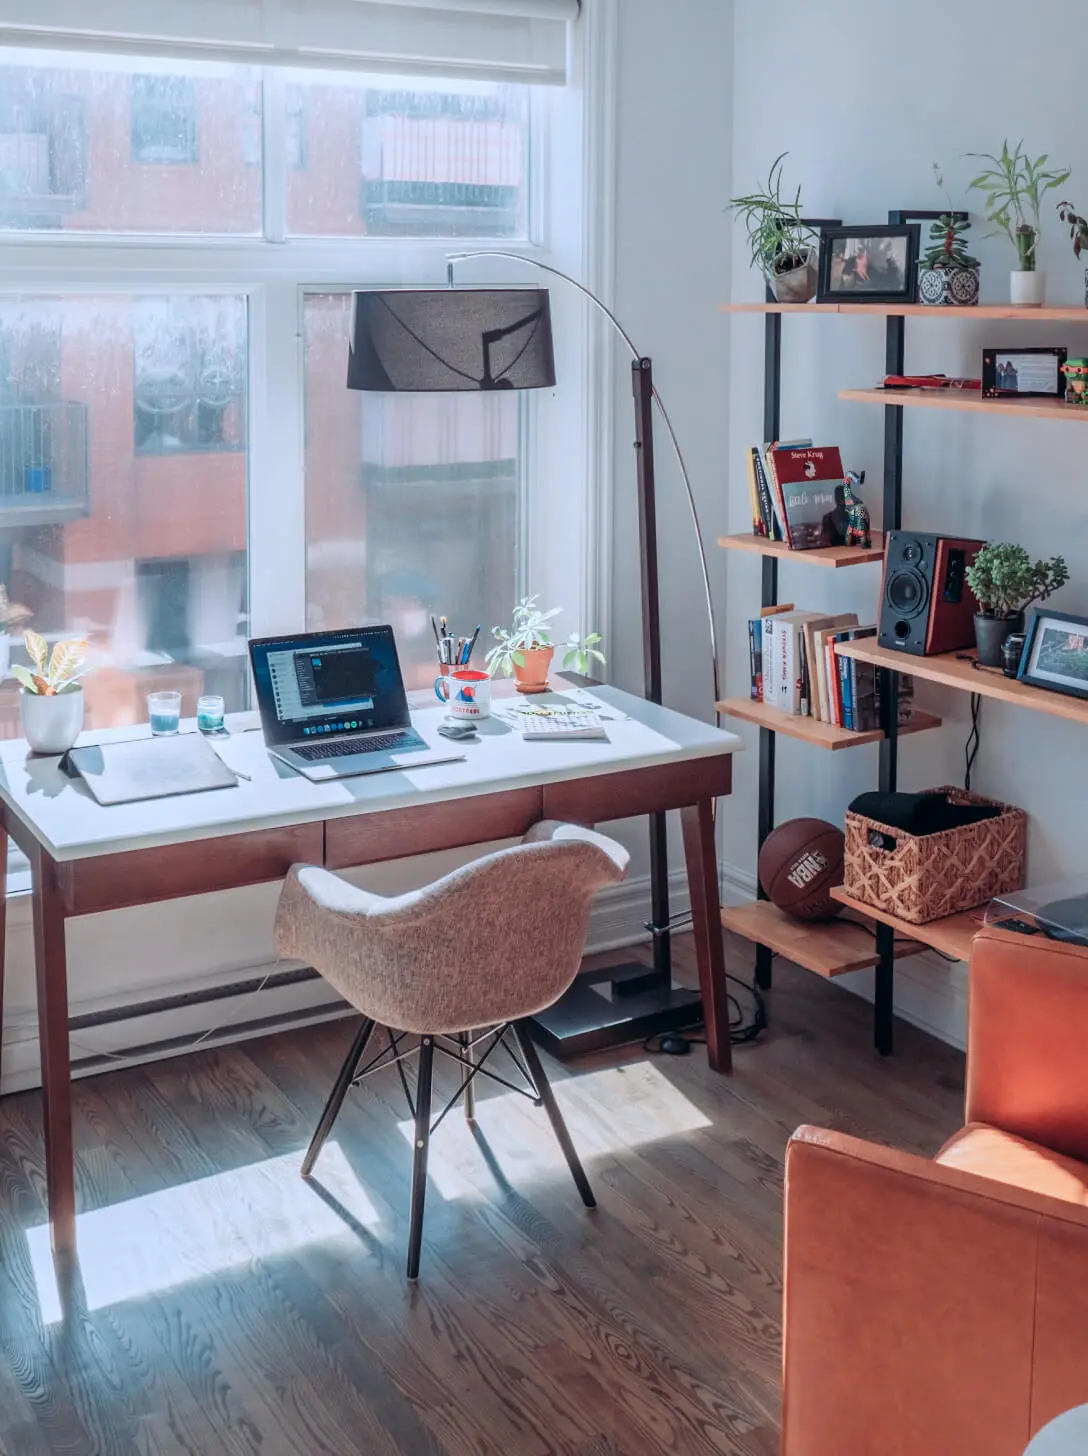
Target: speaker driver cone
908	593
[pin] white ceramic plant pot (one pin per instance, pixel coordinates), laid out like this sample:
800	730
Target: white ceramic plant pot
1027	289
51	724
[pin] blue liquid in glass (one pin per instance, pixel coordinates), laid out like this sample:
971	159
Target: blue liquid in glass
165	722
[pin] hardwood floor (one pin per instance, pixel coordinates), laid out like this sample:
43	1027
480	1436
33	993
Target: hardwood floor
225	1306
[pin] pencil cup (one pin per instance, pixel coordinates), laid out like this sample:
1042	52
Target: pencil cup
466	691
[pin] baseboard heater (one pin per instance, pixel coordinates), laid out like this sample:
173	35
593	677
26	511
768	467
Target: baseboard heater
136	1010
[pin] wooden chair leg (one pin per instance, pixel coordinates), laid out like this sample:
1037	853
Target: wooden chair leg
419	1161
555	1117
337	1095
468	1081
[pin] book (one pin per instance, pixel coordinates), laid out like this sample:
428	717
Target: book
847	713
766	655
864	695
785	674
758	528
763	491
755	658
834	677
577	723
814	658
810	483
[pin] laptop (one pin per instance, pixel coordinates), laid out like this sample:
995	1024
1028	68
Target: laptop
333	704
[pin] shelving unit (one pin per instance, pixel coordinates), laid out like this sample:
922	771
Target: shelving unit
955	670
951	936
969	400
813	730
832	949
832	556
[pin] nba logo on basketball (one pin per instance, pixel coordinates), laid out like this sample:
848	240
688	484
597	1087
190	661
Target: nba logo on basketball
807	868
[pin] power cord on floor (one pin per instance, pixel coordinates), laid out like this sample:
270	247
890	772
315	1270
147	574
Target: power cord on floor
742	1027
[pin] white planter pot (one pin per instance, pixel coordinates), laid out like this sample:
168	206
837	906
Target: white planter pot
51	725
1027	289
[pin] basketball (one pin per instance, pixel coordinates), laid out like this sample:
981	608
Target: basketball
799	865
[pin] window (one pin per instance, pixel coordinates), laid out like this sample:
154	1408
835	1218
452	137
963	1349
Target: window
189	358
411	501
425	159
164	120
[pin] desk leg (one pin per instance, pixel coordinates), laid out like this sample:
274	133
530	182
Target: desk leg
699	850
51	965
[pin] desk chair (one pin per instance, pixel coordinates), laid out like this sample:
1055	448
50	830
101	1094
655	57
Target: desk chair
461	964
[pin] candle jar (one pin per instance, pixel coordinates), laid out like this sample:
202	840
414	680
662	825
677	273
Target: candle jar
209	713
164	713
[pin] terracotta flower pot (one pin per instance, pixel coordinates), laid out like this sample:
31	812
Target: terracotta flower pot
531	675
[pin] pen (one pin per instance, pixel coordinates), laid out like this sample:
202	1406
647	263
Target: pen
434	629
472	643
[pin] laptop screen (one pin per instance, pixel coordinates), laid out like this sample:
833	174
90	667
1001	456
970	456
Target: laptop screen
325	684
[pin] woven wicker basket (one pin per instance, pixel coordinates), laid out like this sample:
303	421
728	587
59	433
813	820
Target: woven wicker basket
929	876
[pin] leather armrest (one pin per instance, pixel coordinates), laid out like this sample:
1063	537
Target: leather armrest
1027	1068
910	1303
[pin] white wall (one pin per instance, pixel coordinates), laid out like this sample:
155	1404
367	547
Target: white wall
672	273
864	99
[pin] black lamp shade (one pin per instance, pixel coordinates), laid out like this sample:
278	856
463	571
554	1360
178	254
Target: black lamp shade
439	339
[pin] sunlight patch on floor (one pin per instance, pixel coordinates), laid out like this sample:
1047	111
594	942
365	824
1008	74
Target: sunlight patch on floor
606	1112
197	1230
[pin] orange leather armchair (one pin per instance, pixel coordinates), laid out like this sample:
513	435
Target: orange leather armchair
941	1308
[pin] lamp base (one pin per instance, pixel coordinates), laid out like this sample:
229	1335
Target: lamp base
603	1009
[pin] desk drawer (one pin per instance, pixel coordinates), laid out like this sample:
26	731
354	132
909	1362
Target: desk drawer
366	839
142	876
638	790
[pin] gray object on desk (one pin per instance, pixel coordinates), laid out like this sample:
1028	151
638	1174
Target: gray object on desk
149	768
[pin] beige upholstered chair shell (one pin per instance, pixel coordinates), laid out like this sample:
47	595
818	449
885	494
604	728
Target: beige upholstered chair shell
486	947
498	940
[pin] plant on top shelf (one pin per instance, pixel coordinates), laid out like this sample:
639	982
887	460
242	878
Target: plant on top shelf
1014	187
782	245
1078	235
51	702
526	648
947	272
1005	582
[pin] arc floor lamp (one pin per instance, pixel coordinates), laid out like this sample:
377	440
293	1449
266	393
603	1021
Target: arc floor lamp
471	339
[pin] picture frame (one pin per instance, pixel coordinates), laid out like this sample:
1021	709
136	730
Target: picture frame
1036	373
874	263
1055	655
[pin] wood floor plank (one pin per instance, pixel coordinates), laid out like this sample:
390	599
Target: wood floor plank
232	1309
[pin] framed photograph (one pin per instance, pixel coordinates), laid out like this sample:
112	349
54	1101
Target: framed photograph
877	264
1025	372
1055	655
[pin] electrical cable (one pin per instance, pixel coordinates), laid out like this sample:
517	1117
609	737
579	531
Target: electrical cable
974	741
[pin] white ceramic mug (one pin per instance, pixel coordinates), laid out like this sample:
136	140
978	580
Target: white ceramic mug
466	691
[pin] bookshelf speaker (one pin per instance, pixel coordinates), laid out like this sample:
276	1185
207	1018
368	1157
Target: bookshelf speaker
926	606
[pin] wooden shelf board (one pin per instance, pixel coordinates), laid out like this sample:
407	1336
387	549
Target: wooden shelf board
813	730
831	948
951	672
833	556
1071	314
952	935
968	399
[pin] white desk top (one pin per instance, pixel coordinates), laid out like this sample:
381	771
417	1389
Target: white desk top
71	825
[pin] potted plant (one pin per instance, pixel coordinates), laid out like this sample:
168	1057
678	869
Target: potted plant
783	247
526	649
12	616
1078	235
51	699
947	273
1005	582
1014	188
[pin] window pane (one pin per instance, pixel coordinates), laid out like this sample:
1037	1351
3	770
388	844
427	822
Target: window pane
125	145
102	532
411	502
408	158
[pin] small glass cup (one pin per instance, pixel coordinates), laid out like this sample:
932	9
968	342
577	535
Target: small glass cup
209	713
164	713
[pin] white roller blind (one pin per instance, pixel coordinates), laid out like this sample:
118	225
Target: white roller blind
522	40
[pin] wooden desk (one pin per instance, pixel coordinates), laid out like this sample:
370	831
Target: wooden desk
85	858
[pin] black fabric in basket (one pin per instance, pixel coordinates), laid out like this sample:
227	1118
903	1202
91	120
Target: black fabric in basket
921	814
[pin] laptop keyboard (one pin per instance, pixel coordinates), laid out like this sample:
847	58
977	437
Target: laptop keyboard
345	747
